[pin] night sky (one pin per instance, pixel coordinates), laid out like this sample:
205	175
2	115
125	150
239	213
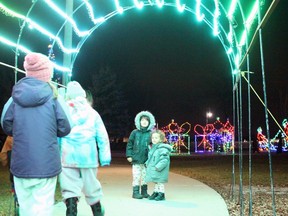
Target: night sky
169	64
173	66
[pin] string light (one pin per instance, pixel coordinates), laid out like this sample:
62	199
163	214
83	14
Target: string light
218	132
119	8
91	13
38	27
180	6
160	3
252	15
215	19
139	4
66	17
176	135
200	16
232	9
12	44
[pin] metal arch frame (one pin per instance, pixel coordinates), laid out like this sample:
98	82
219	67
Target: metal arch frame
19	39
114	13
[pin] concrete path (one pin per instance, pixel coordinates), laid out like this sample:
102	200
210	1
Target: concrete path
184	197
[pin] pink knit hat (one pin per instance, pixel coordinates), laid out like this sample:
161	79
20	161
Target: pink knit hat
38	66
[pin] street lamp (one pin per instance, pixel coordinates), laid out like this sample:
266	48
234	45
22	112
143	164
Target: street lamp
208	115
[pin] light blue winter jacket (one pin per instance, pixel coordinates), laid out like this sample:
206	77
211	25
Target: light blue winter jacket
158	163
79	148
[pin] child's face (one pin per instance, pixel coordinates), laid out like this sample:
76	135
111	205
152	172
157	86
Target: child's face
156	138
144	122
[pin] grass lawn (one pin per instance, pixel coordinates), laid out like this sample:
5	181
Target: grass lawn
5	192
214	170
217	168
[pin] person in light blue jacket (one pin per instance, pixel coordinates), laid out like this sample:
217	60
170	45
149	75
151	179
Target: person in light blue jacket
158	164
81	152
35	116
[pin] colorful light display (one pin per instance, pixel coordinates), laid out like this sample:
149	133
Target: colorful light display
263	144
209	138
280	140
214	137
202	137
178	136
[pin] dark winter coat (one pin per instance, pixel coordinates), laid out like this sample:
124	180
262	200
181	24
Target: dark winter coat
34	118
158	163
139	139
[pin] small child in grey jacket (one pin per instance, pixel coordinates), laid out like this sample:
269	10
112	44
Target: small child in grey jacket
158	164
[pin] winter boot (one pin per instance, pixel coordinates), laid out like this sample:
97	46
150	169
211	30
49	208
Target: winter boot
97	209
71	204
161	196
152	197
136	194
144	191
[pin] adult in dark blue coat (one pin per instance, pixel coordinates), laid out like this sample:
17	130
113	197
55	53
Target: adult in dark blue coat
35	118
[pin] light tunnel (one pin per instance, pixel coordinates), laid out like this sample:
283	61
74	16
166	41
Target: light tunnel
63	27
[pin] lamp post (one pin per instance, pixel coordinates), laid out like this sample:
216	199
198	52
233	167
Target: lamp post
208	115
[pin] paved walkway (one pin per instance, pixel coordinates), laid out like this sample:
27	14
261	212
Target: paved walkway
184	197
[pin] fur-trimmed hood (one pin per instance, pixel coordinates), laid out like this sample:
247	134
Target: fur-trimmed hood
149	115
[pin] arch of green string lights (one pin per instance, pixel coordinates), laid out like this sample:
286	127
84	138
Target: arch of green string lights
226	21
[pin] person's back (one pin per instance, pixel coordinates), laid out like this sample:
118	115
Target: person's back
35	151
81	151
34	117
79	148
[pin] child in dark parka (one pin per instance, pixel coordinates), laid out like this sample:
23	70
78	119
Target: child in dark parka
137	152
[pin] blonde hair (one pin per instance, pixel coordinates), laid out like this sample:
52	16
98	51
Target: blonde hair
161	134
54	89
89	97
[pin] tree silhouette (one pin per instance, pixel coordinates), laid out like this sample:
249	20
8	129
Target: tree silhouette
6	85
109	101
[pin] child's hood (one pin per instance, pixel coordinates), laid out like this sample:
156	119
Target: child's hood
30	92
165	145
161	145
152	122
79	110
